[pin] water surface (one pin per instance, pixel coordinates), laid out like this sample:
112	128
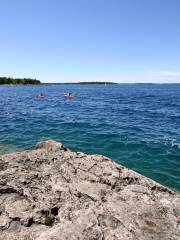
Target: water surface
136	125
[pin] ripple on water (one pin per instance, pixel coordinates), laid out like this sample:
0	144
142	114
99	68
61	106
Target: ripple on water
136	125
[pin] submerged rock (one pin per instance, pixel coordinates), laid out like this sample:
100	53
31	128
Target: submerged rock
52	193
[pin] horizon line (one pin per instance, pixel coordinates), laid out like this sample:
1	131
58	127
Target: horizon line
110	83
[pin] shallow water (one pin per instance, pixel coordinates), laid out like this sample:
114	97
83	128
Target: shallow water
137	125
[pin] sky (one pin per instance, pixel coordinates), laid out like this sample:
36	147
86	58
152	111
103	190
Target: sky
123	41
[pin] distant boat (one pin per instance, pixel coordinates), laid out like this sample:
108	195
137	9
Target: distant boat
40	96
68	96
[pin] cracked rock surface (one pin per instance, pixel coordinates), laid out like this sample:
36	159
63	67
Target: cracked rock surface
52	193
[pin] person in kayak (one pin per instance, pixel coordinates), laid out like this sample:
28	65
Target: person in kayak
40	96
69	95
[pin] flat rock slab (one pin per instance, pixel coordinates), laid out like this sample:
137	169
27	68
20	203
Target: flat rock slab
52	193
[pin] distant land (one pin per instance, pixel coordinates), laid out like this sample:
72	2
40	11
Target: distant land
110	83
83	83
10	81
30	81
97	83
18	81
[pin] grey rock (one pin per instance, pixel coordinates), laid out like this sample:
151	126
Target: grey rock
51	193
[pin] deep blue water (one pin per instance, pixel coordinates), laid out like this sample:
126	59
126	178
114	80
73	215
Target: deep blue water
136	125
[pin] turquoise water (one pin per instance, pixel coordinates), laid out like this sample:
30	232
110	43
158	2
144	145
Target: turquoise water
136	125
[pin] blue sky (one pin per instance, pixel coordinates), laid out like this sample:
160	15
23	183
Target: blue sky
91	40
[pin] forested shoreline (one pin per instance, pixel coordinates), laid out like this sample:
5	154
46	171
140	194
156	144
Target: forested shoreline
18	81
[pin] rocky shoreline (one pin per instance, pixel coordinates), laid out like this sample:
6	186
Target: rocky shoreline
51	193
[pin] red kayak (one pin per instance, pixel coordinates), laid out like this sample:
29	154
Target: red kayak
68	96
40	97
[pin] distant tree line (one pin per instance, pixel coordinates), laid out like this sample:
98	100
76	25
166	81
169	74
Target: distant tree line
17	81
97	83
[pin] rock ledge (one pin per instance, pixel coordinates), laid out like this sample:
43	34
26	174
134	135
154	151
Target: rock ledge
52	193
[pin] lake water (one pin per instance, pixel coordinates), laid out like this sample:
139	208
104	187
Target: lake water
137	125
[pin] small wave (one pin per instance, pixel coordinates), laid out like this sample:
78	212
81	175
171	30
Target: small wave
171	142
176	145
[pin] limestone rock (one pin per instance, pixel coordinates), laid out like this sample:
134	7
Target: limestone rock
52	193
